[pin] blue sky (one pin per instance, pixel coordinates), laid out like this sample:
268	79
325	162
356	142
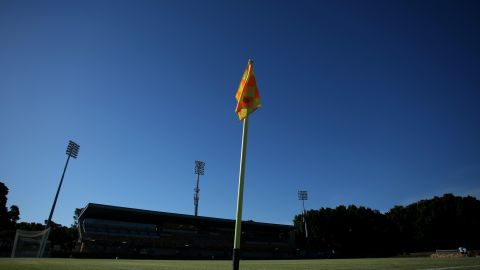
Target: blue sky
372	103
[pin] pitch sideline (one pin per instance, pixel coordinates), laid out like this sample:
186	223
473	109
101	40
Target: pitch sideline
452	267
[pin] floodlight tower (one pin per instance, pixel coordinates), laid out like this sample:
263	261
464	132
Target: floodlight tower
199	170
303	196
72	151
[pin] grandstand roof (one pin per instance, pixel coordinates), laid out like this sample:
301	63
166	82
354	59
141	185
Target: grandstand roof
101	211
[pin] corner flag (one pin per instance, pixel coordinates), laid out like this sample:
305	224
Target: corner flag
248	101
247	94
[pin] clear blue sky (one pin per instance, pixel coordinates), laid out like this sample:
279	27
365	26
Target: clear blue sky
372	103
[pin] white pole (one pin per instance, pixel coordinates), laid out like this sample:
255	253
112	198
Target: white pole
238	222
43	244
15	244
305	219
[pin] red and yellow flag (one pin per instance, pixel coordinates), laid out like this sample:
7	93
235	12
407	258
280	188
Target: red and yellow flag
247	94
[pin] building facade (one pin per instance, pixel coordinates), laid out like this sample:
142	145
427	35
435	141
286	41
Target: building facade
112	231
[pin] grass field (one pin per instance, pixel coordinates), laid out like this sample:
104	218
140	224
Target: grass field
340	264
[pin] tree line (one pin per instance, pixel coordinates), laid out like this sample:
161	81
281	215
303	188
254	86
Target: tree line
62	238
446	222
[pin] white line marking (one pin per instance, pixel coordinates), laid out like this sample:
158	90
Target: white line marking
452	267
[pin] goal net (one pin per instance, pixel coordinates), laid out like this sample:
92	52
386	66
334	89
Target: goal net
29	243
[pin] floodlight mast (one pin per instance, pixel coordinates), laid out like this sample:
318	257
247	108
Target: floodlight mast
199	170
72	151
303	196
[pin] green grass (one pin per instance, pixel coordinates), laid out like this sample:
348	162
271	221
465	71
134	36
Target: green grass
340	264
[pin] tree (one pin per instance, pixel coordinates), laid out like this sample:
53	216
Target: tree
8	219
446	222
346	231
32	226
63	238
3	206
76	215
14	214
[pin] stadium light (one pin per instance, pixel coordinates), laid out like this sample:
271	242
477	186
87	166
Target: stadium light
199	167
199	170
303	196
72	151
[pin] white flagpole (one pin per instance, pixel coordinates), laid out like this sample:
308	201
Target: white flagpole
238	222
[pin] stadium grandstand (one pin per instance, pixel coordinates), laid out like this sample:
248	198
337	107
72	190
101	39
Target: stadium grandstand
112	231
